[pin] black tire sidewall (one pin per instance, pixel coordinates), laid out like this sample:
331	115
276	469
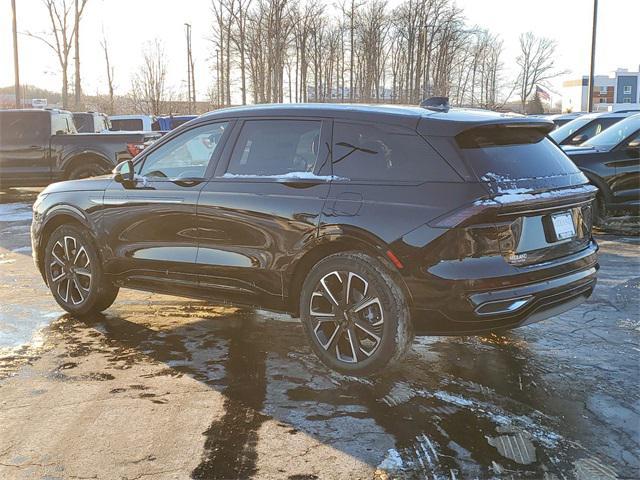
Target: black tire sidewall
397	333
98	287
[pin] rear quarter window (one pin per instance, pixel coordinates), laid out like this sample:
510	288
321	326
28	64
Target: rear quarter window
379	153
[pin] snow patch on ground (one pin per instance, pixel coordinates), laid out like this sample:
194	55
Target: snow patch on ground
392	461
15	212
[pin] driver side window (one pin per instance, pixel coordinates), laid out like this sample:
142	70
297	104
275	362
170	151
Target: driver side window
186	156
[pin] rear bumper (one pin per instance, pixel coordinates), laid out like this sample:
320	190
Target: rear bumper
479	306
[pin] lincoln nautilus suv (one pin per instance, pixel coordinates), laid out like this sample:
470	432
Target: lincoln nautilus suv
371	224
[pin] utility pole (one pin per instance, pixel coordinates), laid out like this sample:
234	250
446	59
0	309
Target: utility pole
593	55
188	32
15	56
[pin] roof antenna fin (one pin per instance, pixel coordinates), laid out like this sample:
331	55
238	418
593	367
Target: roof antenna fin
437	104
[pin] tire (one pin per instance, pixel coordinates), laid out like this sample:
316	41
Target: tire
349	295
74	273
86	170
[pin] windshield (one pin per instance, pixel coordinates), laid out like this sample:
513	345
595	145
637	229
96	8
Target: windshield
569	128
612	136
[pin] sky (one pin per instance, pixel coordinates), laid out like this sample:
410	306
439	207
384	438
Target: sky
128	24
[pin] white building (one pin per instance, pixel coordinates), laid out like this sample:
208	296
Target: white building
618	91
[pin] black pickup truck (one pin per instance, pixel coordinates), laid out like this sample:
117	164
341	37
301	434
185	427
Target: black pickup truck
38	147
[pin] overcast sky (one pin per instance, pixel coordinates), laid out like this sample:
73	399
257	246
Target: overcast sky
128	24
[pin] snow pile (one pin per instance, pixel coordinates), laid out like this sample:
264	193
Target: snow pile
287	176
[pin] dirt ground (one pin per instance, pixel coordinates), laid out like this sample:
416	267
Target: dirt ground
161	387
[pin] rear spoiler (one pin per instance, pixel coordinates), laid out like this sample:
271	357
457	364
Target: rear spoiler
453	123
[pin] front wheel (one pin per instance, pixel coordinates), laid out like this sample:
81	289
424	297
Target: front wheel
86	170
355	314
74	273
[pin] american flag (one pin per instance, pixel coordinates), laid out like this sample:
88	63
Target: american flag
542	94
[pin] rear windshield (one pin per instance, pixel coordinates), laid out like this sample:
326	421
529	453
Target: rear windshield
513	153
128	124
83	121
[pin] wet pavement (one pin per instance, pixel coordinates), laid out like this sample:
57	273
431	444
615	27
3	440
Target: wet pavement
161	387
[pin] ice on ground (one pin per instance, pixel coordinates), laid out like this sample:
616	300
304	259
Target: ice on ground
15	212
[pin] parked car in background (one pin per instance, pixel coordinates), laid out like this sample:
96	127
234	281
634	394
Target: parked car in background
583	128
134	123
91	122
38	147
173	121
561	119
369	222
611	161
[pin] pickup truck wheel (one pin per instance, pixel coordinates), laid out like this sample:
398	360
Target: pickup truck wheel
355	314
86	170
74	272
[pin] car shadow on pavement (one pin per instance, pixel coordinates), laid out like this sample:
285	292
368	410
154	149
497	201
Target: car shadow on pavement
469	406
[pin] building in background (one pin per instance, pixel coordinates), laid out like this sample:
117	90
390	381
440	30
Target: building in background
618	91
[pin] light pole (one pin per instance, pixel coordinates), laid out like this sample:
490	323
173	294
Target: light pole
189	65
593	55
15	56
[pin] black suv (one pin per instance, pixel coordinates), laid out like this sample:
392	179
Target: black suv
611	161
371	223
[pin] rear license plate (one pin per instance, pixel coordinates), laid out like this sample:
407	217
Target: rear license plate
563	226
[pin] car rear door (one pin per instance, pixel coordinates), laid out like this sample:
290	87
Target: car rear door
262	206
24	148
151	224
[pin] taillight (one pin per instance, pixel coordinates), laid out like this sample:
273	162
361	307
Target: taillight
461	215
135	148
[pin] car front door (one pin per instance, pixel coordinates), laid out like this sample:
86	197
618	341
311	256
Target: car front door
151	223
262	207
24	148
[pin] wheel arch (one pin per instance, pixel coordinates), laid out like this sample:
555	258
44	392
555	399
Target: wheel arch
56	217
596	180
86	156
328	245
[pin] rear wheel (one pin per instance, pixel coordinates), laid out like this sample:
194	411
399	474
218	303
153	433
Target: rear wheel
355	315
86	170
74	273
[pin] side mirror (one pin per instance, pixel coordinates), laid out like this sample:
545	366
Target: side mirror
60	132
123	173
578	139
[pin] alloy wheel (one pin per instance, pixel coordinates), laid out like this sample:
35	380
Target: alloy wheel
70	270
347	316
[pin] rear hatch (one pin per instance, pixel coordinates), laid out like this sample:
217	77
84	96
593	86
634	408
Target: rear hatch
538	203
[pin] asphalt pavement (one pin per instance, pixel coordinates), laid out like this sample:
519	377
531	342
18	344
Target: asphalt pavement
163	387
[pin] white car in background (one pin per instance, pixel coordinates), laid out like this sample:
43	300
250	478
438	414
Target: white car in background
134	123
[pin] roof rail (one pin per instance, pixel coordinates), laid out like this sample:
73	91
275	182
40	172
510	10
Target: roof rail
629	110
436	104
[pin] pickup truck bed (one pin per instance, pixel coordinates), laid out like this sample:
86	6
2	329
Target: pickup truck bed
38	147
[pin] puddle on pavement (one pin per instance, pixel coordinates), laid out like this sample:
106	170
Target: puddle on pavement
463	421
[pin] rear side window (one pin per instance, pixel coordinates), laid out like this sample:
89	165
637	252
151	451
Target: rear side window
127	124
275	147
23	128
369	152
513	153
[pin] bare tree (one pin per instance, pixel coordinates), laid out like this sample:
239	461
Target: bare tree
61	37
148	87
79	8
110	72
536	62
